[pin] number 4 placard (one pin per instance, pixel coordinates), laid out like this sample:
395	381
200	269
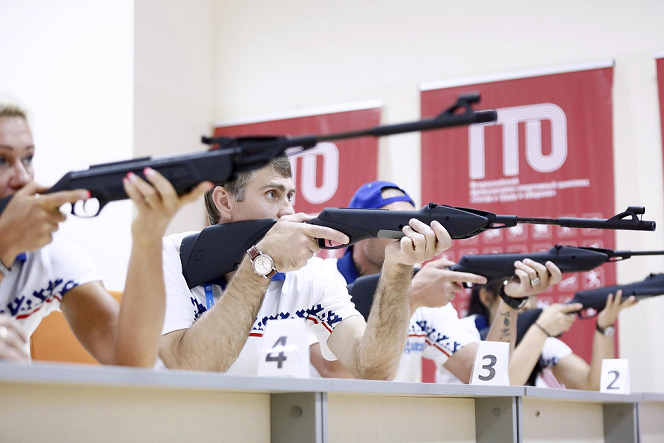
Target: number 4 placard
285	349
615	376
491	364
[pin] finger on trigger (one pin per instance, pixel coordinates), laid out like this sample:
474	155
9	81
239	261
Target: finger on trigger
572	308
315	231
441	263
467	277
58	199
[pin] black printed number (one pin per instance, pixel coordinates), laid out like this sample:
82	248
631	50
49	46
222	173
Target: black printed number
617	374
281	357
489	367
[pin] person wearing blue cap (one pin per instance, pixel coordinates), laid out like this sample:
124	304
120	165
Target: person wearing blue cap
435	330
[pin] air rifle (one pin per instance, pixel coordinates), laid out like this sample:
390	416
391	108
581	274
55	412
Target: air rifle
235	155
568	259
595	299
218	250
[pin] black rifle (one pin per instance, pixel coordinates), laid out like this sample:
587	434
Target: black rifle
240	154
568	259
595	299
202	261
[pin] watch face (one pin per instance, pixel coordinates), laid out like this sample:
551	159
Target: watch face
609	331
263	264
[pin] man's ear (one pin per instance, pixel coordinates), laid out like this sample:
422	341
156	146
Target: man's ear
487	297
224	202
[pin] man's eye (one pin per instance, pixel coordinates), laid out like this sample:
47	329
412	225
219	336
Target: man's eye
271	195
290	197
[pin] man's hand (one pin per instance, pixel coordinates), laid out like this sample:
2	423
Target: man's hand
29	220
12	340
609	314
291	242
156	202
435	285
558	318
419	244
532	278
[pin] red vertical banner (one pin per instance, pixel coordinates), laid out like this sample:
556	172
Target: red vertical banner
550	154
329	174
659	60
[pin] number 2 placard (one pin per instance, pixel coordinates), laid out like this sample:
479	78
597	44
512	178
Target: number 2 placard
615	376
491	364
285	349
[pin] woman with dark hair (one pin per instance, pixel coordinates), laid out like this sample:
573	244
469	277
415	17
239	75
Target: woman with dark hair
539	349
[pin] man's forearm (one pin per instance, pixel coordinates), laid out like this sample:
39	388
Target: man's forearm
503	328
379	351
216	339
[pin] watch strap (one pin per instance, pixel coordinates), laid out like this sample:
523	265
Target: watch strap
607	332
253	253
512	302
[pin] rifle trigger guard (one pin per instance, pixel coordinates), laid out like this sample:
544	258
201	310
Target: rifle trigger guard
322	245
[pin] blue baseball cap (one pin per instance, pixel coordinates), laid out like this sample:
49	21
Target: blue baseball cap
369	196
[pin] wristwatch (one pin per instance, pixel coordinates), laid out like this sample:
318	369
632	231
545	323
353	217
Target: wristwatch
262	264
512	302
606	332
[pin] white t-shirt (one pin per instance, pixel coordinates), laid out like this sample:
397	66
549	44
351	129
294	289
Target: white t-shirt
317	293
434	333
34	287
553	351
467	324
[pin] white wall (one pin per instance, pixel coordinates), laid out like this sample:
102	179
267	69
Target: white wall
173	80
70	63
279	56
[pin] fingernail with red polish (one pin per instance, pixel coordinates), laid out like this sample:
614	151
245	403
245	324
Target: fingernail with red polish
131	176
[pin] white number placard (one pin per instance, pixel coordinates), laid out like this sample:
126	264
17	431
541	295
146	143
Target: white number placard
491	364
615	376
285	349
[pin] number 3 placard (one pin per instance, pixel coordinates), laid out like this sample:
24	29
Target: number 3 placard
491	364
285	349
615	376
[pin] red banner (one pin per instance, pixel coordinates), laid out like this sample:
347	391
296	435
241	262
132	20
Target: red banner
317	173
660	86
549	155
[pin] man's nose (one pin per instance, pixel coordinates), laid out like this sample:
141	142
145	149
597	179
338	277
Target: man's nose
286	209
